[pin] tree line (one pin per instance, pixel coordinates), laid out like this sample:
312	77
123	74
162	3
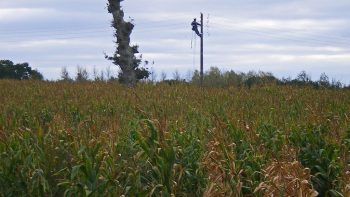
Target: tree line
214	77
22	71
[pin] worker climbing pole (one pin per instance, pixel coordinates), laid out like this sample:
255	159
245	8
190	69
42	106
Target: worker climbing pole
195	25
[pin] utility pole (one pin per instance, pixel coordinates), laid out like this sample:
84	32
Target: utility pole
195	25
202	59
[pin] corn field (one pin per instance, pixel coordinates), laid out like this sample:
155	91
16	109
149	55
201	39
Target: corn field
103	139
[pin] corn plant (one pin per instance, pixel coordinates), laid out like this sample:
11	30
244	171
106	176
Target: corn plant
103	139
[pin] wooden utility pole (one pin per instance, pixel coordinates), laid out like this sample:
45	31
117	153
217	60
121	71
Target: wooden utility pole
195	25
202	59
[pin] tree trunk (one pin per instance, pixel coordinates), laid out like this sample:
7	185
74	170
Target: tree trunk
124	56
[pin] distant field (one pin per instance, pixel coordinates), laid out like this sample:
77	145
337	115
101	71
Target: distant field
98	139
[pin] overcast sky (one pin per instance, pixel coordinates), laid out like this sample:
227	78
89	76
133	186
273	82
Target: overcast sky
278	36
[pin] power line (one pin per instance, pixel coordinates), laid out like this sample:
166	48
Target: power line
97	33
86	28
84	34
57	38
289	33
293	37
